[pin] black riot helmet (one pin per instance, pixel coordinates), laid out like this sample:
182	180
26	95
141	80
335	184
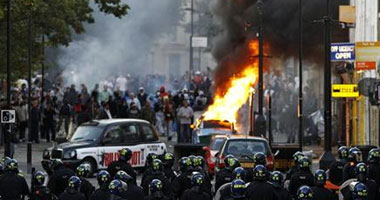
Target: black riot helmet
39	178
360	192
260	159
185	164
124	176
238	189
150	157
239	173
343	152
73	184
83	170
125	154
11	166
156	187
104	178
297	156
168	160
276	178
361	172
304	193
157	166
320	177
116	187
354	154
374	156
260	173
56	164
304	163
231	163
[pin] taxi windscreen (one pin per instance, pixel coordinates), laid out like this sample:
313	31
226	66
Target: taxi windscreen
246	147
86	133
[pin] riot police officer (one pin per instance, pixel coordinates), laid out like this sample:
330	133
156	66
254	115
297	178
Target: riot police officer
156	191
168	161
116	188
225	175
374	165
296	157
354	157
319	191
259	158
259	185
277	179
196	192
361	172
302	177
198	166
183	181
360	192
336	168
59	179
133	192
39	190
103	179
122	164
225	189
304	193
46	163
157	173
236	191
86	187
12	184
72	191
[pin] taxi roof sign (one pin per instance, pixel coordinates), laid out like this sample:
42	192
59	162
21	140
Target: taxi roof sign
344	90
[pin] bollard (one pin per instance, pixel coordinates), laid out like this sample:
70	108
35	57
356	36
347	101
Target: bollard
29	158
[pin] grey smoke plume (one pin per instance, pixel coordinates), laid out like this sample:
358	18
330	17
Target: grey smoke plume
112	46
239	20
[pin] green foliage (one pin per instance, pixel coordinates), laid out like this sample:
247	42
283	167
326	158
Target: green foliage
55	20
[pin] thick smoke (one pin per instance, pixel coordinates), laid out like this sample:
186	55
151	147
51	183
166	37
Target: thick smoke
115	46
239	20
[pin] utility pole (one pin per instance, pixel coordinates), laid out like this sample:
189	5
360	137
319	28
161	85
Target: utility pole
300	93
7	127
327	157
260	127
191	40
29	75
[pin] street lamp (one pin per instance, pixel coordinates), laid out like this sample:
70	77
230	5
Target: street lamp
300	93
191	40
260	121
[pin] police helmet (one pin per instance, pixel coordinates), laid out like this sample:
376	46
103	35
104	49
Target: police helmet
360	192
260	159
297	156
5	159
157	166
343	152
361	172
39	178
11	166
238	189
276	178
354	154
103	177
83	170
260	172
168	160
239	173
123	176
56	164
320	177
155	186
185	164
125	154
197	179
150	157
304	163
198	162
374	156
231	163
304	193
116	187
74	183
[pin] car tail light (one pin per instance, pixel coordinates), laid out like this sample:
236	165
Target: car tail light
270	162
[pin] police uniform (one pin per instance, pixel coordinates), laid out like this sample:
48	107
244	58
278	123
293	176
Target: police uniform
349	171
71	196
133	192
373	190
192	194
116	166
260	190
300	178
167	186
42	193
59	179
100	194
86	188
181	183
281	193
374	172
321	193
222	177
13	186
336	172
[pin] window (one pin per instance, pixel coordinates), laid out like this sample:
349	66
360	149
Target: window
148	133
86	133
245	147
130	133
113	136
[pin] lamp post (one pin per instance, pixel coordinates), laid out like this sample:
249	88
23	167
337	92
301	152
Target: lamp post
327	157
260	127
7	127
300	56
191	39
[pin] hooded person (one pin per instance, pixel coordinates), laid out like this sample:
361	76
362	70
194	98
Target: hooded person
72	191
156	191
196	191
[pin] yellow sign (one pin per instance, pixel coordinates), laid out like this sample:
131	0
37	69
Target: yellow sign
344	90
347	14
367	51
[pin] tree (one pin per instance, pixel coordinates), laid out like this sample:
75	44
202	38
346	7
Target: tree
53	20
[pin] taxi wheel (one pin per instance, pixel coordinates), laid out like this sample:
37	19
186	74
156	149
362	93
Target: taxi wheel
91	162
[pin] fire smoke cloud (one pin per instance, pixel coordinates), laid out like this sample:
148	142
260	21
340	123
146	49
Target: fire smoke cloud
239	19
114	46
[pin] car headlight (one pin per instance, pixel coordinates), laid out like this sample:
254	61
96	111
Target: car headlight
70	154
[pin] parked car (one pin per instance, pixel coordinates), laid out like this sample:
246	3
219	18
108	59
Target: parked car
98	143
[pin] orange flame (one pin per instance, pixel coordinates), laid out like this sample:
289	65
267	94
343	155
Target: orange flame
226	106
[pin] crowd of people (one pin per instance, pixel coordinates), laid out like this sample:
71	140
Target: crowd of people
61	109
348	178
